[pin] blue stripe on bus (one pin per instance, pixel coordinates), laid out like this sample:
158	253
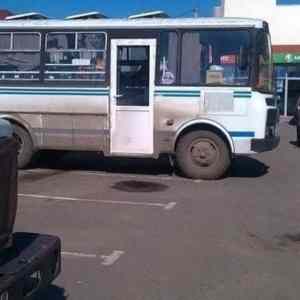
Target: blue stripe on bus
242	134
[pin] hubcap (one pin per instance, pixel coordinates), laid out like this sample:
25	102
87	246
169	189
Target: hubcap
204	152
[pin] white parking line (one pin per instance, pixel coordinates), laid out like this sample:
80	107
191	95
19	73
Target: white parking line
122	175
78	254
167	206
107	260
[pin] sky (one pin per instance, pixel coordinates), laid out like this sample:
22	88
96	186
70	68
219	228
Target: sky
112	8
115	8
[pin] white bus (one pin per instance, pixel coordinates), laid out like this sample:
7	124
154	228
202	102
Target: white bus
200	90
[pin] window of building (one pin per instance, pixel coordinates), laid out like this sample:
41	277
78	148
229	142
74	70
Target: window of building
20	56
75	56
167	58
216	57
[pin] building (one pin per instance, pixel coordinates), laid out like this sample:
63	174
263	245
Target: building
4	13
285	27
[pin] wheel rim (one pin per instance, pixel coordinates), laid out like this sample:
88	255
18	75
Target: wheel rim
204	152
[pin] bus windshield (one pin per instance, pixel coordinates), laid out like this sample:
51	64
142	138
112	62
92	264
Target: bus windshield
264	63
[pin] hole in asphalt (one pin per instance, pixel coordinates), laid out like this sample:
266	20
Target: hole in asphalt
134	186
289	239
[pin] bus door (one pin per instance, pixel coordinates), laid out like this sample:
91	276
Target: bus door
132	92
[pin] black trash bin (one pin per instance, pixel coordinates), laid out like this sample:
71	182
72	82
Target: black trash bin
8	183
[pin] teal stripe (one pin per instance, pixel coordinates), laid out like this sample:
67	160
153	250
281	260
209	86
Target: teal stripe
178	96
55	89
164	93
54	92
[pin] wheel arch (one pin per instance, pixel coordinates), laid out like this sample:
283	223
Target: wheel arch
205	125
16	121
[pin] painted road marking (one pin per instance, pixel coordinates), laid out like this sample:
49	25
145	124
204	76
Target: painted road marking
78	254
112	175
167	206
109	260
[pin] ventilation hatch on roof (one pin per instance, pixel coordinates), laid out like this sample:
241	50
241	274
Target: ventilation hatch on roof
27	16
150	14
89	15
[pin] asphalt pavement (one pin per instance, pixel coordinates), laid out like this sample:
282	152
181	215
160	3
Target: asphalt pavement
133	230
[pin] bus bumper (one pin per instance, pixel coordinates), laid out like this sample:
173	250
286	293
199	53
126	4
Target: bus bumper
263	145
29	266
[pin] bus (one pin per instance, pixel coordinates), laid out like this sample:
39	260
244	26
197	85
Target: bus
198	89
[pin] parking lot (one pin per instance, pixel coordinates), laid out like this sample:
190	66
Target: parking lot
131	229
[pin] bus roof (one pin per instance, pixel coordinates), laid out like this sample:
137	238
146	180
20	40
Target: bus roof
156	23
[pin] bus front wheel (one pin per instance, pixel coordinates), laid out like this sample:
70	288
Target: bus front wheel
202	155
25	150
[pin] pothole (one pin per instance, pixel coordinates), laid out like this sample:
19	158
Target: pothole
134	186
289	240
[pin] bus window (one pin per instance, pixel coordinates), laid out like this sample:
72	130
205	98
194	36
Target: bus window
216	57
133	76
75	56
5	41
265	66
167	58
20	56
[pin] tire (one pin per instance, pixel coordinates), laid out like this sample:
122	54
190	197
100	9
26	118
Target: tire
25	151
203	155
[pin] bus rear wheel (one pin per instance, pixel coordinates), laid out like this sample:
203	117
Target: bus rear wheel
25	150
202	155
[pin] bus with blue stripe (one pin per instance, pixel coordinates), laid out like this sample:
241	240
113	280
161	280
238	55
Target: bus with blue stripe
200	89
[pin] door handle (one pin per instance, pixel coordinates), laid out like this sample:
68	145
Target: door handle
118	96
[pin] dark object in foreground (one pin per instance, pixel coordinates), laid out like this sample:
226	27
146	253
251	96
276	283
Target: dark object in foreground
297	119
29	266
28	262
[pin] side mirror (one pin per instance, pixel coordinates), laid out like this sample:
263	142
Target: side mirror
243	58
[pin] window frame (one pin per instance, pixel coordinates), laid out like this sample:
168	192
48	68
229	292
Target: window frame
87	82
12	33
12	50
251	52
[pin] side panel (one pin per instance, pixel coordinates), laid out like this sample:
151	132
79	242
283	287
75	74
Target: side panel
60	118
178	107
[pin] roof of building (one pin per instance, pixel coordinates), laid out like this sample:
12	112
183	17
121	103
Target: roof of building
4	13
143	23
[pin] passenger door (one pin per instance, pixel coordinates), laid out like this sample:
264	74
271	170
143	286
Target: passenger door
131	99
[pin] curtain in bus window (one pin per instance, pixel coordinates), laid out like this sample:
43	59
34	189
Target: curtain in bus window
60	41
91	41
168	58
191	62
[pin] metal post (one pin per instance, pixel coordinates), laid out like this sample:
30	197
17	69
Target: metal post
286	94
